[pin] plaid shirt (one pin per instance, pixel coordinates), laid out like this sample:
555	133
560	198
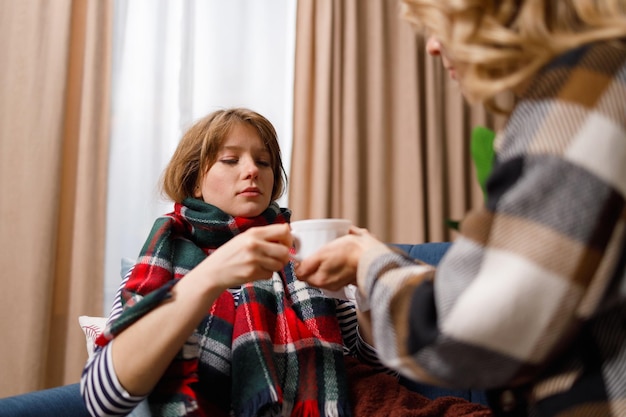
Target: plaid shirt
530	302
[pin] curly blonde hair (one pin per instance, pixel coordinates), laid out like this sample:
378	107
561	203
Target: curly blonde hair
501	44
197	151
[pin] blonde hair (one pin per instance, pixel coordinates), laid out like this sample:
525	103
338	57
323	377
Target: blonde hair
197	151
501	44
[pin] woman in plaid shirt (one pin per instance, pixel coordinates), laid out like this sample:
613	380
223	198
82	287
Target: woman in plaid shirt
530	301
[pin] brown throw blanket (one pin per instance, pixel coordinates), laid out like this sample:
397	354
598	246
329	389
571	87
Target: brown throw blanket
376	394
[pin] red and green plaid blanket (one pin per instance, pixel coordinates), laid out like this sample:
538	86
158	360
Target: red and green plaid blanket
277	353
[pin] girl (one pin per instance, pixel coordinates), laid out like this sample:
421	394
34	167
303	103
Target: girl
206	344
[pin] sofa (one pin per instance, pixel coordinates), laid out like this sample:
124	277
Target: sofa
66	401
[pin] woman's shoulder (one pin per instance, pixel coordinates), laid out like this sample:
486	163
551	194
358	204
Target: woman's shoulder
584	71
584	85
602	54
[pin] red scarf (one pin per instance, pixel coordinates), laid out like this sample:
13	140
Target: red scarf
279	351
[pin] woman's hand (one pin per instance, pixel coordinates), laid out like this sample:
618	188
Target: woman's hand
252	255
335	264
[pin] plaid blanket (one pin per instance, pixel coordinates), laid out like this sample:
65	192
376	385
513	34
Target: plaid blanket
277	353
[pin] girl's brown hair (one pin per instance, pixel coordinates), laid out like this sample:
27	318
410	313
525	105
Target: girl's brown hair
198	148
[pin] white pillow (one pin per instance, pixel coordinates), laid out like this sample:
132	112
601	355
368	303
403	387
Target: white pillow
92	327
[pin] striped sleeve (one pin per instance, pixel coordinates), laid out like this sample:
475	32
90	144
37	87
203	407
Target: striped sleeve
353	342
101	390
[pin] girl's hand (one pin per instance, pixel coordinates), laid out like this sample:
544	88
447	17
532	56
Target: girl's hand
253	255
335	264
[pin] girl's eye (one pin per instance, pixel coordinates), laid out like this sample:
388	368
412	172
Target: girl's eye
234	161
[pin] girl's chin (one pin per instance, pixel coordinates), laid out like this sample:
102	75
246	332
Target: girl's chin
249	212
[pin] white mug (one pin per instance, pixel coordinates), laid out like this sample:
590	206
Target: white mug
310	235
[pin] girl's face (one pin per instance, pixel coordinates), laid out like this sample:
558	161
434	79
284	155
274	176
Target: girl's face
434	48
240	181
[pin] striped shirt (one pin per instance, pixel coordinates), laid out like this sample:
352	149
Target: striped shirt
530	302
105	396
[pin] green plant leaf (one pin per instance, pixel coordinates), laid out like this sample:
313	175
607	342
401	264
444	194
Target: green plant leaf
481	150
482	153
452	224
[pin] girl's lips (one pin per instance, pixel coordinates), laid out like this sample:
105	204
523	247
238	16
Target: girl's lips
250	192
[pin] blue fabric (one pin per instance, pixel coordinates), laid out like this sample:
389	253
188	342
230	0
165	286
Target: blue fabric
63	401
142	410
431	253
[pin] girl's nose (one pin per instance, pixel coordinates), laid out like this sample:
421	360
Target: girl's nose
433	46
251	169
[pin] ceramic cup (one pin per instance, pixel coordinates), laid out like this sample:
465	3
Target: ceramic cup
310	235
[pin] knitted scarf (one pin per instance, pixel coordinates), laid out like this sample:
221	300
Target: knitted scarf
277	353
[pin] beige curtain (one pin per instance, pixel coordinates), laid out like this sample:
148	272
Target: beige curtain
381	136
54	106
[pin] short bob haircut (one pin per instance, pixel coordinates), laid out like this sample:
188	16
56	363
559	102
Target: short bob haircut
197	151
